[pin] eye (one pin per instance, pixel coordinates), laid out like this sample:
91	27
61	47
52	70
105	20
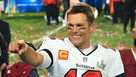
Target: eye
79	25
70	26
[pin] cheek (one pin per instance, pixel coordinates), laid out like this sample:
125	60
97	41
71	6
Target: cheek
86	32
69	32
85	35
134	35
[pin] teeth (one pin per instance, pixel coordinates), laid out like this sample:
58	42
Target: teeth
76	36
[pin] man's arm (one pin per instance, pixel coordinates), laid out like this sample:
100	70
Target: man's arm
3	52
27	53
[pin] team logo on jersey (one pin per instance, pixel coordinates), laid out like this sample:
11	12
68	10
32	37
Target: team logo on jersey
63	54
85	59
101	64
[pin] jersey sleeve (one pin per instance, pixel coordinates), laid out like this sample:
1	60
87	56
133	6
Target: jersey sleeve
115	66
47	61
49	49
46	53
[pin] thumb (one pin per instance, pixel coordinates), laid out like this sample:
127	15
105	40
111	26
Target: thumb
16	47
3	66
22	46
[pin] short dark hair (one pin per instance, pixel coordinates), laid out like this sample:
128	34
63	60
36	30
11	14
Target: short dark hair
82	8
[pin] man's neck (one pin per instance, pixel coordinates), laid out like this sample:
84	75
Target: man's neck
87	45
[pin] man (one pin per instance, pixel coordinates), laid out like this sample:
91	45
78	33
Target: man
74	56
73	2
66	5
129	14
5	30
128	56
52	10
4	43
3	55
118	8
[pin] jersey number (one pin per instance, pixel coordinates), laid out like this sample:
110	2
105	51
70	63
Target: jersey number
89	73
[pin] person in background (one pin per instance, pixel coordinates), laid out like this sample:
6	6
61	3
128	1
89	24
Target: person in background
5	38
66	5
74	2
129	14
4	55
118	14
128	56
75	55
98	4
107	7
52	10
5	30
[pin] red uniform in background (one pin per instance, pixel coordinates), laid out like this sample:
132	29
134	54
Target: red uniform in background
129	62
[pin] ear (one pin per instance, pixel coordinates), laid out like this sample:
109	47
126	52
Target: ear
93	27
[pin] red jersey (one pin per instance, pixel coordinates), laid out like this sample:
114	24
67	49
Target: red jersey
50	2
129	62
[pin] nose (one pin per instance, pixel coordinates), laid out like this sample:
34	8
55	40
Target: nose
75	29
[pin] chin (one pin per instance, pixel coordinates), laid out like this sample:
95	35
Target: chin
76	43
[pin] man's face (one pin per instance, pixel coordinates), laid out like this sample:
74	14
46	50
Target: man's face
79	29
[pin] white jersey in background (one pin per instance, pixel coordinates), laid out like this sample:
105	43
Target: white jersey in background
63	59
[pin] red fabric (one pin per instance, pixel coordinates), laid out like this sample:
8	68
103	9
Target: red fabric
118	0
128	62
111	5
50	2
18	70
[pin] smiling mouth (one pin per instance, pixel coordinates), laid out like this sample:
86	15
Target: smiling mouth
76	36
